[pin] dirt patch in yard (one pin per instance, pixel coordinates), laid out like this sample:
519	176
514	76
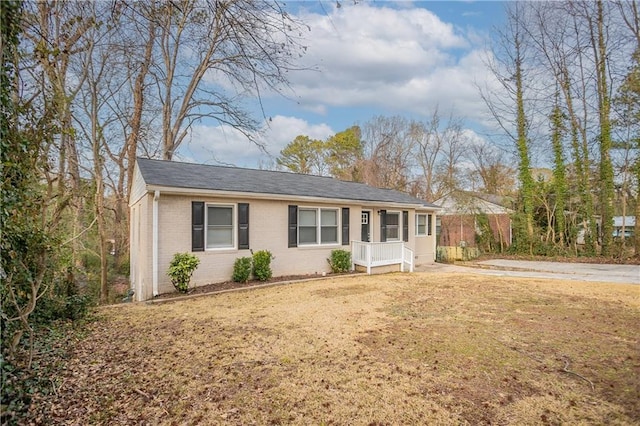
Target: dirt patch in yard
371	350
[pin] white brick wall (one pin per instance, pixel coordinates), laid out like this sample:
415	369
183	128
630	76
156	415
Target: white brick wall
268	230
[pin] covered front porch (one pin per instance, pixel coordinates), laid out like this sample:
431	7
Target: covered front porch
370	255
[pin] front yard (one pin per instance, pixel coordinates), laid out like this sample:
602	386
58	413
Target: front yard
371	350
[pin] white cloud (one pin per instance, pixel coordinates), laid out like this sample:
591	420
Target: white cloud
281	130
473	138
365	58
215	144
380	57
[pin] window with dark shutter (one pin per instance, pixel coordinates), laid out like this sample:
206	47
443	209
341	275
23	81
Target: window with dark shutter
219	225
383	226
293	226
345	226
392	223
405	226
197	226
243	226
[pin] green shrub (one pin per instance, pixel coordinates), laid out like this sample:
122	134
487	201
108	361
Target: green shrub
340	261
180	270
262	265
242	270
125	268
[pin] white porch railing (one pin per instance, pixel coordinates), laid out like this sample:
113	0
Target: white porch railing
407	258
380	254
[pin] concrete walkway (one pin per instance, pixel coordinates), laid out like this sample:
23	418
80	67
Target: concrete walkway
623	274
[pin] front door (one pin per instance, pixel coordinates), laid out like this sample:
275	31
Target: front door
365	233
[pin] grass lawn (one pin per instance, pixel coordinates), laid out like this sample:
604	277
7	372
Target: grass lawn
418	348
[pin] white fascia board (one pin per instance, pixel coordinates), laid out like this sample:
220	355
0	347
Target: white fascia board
134	192
435	209
282	197
132	203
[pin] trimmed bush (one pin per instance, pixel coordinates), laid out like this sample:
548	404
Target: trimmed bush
262	265
340	261
241	270
181	269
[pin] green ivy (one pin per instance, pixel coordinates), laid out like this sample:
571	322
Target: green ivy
484	237
559	175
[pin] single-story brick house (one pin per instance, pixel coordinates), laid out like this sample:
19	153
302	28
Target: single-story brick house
458	219
221	213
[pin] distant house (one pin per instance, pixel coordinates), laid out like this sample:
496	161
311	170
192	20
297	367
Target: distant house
459	219
623	226
222	213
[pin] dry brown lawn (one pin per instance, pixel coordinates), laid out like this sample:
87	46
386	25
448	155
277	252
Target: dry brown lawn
418	348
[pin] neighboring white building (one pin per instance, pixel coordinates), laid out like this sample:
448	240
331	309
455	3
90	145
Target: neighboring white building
623	222
619	222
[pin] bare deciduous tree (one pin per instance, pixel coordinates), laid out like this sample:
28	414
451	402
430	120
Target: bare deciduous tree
509	66
388	152
439	149
210	53
490	169
56	32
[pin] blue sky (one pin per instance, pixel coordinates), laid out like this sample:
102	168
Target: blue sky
371	58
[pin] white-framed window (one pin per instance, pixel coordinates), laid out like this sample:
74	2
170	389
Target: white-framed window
317	226
393	226
421	225
220	226
328	226
307	226
364	218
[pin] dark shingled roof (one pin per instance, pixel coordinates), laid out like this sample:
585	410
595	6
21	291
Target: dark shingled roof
219	178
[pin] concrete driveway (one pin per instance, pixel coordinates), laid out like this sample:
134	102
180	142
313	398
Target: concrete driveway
624	274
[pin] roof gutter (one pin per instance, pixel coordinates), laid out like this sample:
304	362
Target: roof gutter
285	197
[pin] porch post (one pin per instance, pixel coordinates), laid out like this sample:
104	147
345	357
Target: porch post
353	264
368	258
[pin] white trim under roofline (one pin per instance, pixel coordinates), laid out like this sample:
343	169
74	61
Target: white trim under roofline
133	202
283	197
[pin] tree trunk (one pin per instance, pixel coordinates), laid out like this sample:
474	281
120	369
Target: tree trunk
559	177
606	167
524	167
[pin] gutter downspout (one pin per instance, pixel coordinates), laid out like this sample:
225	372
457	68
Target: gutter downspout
156	197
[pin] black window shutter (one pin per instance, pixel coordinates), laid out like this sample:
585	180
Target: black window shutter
243	225
383	226
405	226
428	224
293	226
345	226
197	226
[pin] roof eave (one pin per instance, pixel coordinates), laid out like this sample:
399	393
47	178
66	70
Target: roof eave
281	197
